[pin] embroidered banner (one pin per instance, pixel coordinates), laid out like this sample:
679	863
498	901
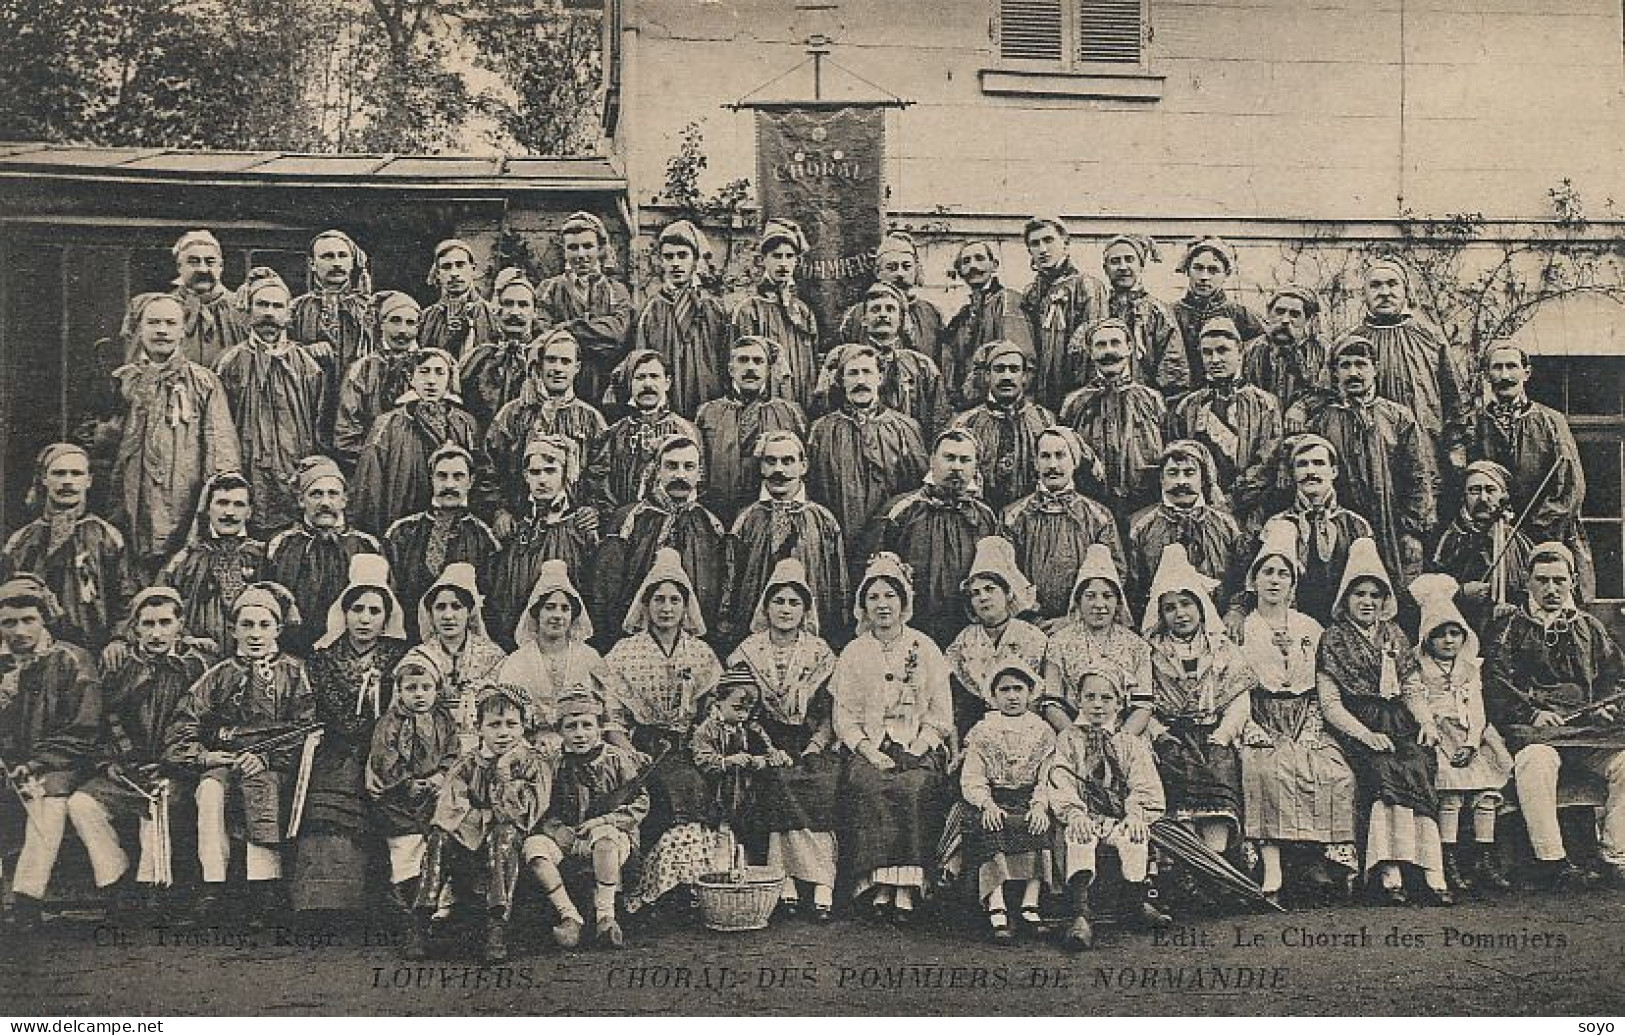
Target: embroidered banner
821	166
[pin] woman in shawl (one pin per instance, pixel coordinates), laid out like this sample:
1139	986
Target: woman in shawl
413	745
661	676
553	657
1371	692
894	716
349	671
1097	633
1199	700
996	591
1297	788
792	666
451	616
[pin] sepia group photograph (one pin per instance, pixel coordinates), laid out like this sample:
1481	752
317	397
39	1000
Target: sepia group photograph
811	508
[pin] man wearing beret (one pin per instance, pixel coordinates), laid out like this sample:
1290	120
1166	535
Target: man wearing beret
277	389
1386	461
462	319
1007	423
583	300
991	313
1208	263
213	324
683	321
312	558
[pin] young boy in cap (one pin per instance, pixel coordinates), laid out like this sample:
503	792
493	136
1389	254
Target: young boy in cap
592	821
489	802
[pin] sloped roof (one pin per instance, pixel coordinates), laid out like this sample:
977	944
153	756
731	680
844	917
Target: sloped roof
380	171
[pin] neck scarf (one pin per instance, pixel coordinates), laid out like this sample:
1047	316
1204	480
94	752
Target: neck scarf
444	525
1316	527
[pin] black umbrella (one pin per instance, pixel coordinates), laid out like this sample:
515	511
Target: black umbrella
1177	840
1181	842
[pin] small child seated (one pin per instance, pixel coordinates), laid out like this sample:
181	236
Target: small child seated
726	748
413	746
1007	752
1474	763
1102	787
729	746
491	800
592	821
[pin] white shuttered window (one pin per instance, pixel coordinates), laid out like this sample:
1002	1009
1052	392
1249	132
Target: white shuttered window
1070	33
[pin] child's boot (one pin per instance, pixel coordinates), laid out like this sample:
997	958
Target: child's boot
606	929
1487	868
496	940
1081	935
1454	875
1135	908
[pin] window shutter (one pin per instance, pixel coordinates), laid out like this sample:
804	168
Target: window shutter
1030	30
1111	31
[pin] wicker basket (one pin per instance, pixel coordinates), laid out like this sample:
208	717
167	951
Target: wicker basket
740	899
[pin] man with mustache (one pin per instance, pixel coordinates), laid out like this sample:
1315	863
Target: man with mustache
375	381
1416	366
582	300
1289	360
462	319
668	514
1192	513
312	559
909	381
1480	549
862	452
277	389
214	325
175	432
1386	461
1119	419
897	262
777	313
683	320
1007	423
1529	439
494	373
784	523
934	529
50	728
80	558
991	313
1239	423
336	305
731	427
1208	263
392	473
1054	527
420	545
622	456
1542	662
547	405
218	561
1157	350
551	525
1058	302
